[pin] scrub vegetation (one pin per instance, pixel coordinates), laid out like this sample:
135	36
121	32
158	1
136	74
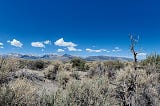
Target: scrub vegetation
79	83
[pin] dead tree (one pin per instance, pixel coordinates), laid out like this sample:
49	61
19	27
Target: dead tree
134	41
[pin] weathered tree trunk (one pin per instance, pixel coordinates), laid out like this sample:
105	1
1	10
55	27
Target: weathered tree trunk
135	60
133	51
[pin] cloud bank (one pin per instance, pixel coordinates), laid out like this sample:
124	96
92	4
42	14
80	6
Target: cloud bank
69	45
15	43
47	42
60	50
61	42
1	45
116	49
96	51
38	44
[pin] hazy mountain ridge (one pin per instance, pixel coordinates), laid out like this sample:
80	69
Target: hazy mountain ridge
104	58
65	57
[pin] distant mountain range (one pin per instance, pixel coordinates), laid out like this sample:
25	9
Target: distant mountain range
105	58
65	57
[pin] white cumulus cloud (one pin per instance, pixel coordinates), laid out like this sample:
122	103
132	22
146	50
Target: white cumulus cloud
74	49
38	44
1	45
96	51
15	43
60	50
142	54
116	49
61	42
47	42
69	45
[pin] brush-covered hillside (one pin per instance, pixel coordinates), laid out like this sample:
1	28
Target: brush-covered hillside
79	83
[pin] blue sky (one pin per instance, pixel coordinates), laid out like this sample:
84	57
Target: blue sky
88	27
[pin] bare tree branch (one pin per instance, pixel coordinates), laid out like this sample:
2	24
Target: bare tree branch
134	42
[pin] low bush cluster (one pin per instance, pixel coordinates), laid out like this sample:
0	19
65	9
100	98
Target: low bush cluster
78	63
37	64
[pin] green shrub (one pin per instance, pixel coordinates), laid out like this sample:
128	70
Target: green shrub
88	93
82	93
136	87
51	72
96	69
114	65
8	65
67	67
75	75
53	69
152	60
19	93
63	78
92	72
37	64
6	95
79	64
